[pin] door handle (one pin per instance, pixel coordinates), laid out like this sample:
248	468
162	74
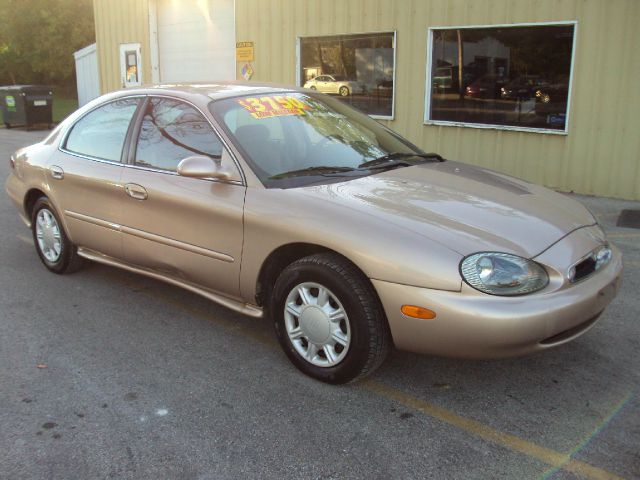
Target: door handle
136	191
56	172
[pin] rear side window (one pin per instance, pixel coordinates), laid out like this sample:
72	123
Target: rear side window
172	131
101	133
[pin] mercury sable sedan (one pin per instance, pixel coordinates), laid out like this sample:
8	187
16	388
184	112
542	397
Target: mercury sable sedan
291	205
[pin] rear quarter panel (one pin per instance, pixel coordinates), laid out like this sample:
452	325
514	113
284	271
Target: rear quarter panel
31	164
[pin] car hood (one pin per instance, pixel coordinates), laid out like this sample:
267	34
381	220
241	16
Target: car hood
465	208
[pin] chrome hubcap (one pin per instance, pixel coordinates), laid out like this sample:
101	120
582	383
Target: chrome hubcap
48	235
317	324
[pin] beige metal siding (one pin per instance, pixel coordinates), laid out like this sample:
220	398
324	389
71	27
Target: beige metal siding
601	153
117	22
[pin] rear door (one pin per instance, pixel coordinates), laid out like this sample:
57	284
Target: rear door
84	176
189	229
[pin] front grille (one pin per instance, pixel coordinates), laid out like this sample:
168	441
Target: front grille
584	269
597	259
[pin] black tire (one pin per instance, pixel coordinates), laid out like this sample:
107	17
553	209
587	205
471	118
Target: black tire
370	339
312	87
7	125
344	91
68	260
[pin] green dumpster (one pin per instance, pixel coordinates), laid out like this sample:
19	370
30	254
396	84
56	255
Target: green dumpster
26	105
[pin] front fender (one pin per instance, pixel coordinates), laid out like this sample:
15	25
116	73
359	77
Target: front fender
383	251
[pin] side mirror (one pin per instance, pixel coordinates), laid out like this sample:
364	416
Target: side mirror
202	167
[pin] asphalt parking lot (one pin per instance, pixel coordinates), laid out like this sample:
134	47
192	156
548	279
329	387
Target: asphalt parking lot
106	374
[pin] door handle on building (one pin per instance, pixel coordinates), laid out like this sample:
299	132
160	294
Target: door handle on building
136	191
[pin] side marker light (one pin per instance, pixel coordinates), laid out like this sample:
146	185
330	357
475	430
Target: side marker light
418	312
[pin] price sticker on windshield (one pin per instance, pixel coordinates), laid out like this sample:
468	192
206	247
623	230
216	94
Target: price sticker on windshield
273	106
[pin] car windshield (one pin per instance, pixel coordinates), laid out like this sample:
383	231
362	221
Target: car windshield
293	139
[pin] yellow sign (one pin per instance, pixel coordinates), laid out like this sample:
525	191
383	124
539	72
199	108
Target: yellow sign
244	52
273	106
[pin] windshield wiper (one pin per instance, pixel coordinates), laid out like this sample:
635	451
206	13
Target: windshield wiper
388	160
320	170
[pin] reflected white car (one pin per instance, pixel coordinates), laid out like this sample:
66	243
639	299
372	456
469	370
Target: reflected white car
336	84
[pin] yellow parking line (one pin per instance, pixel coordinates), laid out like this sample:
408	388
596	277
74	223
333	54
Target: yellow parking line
512	442
546	455
601	426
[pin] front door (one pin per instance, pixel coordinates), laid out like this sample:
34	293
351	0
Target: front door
187	228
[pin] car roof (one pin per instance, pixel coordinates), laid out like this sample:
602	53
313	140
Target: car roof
210	91
199	94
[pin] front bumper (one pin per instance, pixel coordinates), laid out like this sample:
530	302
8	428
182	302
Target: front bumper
470	324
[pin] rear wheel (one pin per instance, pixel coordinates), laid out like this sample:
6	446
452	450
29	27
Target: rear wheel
54	248
328	319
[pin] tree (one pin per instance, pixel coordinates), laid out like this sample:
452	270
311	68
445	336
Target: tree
38	38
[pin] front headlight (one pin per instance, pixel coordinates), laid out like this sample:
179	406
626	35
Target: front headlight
602	256
503	274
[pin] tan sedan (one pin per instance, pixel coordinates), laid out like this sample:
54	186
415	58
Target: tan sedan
290	204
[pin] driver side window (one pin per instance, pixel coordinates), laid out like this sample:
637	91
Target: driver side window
171	131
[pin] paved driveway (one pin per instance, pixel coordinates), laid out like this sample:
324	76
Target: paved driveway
105	374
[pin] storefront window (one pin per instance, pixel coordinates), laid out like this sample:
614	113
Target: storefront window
501	76
357	68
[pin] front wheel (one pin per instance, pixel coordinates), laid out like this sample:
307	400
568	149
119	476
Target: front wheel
344	91
55	250
328	319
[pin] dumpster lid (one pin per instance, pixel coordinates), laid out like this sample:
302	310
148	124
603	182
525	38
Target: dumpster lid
26	88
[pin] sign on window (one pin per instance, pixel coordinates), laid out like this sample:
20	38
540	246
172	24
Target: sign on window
130	65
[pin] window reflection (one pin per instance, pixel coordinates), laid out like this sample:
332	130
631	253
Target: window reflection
101	133
325	133
172	131
516	76
359	69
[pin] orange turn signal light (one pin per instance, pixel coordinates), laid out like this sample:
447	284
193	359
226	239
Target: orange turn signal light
418	312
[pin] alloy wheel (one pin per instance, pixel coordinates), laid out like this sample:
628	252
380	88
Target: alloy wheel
48	235
317	324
